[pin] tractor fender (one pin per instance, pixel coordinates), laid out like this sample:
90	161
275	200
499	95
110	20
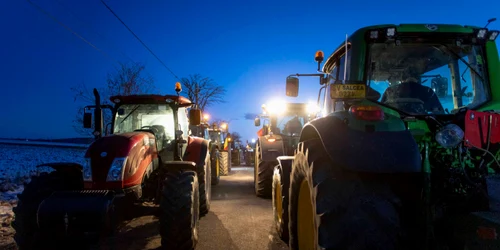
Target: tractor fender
357	150
197	150
285	165
270	150
174	166
64	167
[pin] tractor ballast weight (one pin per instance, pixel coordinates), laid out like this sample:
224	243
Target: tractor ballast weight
145	158
425	166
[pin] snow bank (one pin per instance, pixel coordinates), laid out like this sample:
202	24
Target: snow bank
18	163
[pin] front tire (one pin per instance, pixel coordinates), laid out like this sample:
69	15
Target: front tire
333	209
263	175
215	168
179	205
205	186
224	163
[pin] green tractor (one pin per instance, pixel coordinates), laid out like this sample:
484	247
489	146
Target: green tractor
203	131
221	138
405	155
278	137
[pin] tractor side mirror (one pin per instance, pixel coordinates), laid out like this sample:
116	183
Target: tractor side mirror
87	120
292	86
257	122
194	117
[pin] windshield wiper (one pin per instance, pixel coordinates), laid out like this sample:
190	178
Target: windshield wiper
462	60
133	110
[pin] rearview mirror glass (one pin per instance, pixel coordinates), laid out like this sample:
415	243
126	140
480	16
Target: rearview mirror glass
257	122
194	117
87	120
292	86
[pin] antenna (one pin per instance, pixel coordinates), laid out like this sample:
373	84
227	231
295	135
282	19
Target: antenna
490	21
345	60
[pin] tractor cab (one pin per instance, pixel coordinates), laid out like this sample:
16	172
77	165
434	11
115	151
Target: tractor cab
410	69
286	120
163	117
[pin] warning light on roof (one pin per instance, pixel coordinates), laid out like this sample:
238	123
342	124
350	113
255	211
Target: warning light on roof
178	87
319	56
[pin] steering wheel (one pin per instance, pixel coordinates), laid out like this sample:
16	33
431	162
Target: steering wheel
409	105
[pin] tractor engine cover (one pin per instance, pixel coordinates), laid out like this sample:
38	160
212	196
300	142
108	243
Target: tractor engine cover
76	213
477	128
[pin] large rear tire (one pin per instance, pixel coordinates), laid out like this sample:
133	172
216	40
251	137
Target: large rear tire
334	209
205	186
263	175
40	187
224	163
215	168
179	205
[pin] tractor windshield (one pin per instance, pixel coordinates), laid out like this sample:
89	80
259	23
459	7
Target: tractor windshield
428	78
291	124
139	116
216	136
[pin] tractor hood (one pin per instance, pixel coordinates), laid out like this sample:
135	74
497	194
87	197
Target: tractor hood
116	145
135	146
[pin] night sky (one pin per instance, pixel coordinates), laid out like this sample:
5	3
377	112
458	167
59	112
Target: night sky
247	46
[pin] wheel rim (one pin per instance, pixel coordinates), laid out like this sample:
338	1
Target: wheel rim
305	219
217	167
279	202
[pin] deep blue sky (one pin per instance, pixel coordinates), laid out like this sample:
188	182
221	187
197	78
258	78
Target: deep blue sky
245	45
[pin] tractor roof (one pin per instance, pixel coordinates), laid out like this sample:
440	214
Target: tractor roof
359	35
150	99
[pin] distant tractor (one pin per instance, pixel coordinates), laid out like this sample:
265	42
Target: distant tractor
221	138
279	137
202	131
146	157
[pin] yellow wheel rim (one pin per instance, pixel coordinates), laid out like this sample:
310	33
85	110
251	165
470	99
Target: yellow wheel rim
279	203
305	219
217	166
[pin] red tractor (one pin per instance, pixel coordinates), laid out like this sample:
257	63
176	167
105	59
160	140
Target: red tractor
146	157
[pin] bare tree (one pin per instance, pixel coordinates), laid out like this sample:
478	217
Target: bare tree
236	136
128	79
203	91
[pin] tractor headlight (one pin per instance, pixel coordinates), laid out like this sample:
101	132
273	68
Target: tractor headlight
450	136
312	108
276	107
115	172
87	170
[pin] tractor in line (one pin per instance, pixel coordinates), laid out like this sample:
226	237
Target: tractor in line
278	137
406	152
147	156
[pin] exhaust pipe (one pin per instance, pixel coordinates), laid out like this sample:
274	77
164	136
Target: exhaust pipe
98	120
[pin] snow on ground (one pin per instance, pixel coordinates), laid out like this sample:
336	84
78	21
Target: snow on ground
17	164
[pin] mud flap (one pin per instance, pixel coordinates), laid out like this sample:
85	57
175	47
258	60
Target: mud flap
76	214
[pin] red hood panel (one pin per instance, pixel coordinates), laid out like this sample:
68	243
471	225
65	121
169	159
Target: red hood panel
103	151
116	145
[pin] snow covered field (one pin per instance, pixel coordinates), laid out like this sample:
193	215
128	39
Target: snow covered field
18	163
